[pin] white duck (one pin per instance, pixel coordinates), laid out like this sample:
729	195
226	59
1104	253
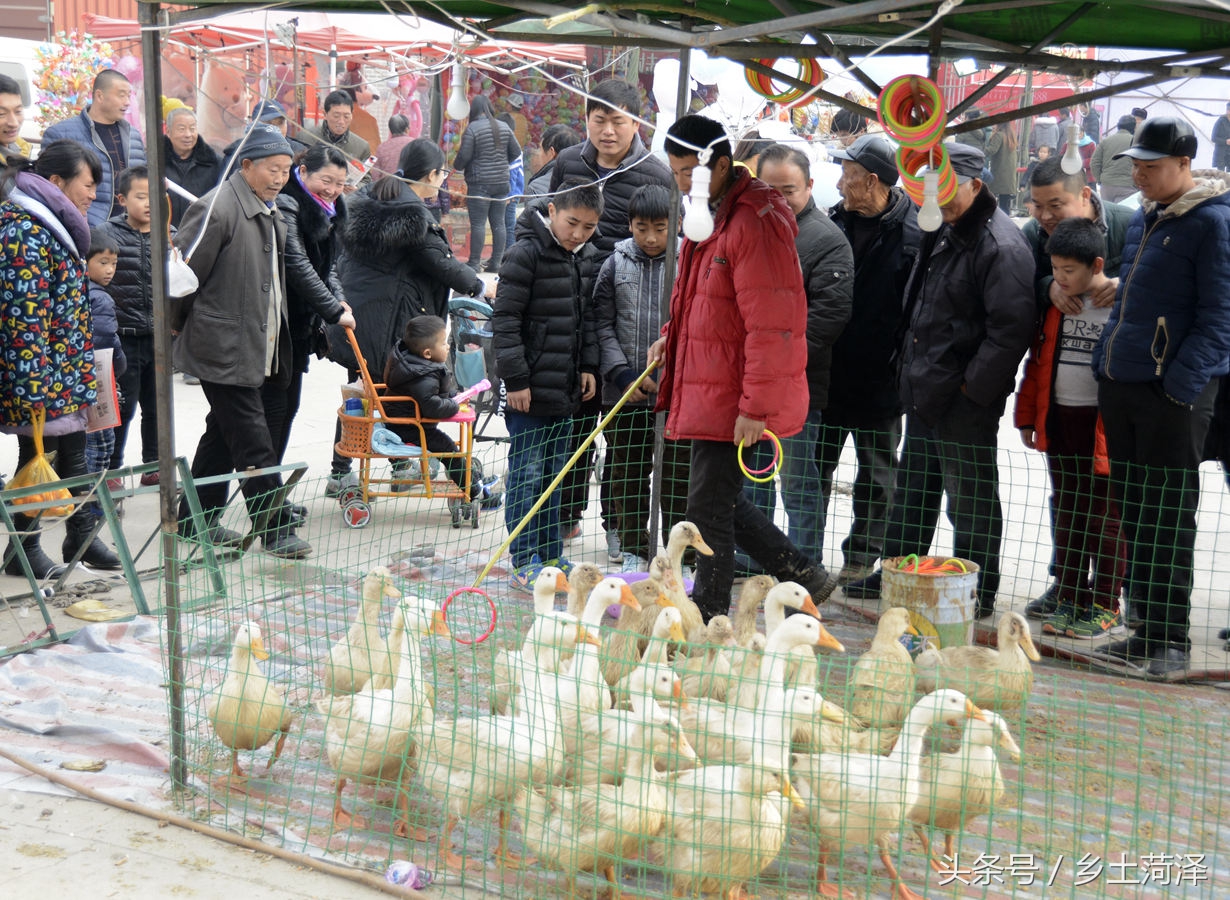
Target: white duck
353	659
472	763
368	734
667	629
999	679
247	710
882	682
670	578
858	798
592	827
960	786
800	668
607	735
550	581
725	824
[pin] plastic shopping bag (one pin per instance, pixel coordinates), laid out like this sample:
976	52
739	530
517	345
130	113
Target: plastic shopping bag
39	471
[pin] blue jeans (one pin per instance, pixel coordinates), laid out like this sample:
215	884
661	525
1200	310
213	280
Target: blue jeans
537	449
482	211
801	490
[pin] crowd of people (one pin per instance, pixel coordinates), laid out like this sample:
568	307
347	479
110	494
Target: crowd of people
818	326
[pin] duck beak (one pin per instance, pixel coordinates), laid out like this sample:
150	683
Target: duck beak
831	712
585	636
678	694
561	583
664	600
701	546
792	795
390	589
973	712
1027	644
910	629
809	606
685	748
257	646
439	627
628	599
676	633
828	641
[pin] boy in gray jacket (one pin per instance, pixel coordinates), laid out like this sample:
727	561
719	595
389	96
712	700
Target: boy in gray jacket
630	304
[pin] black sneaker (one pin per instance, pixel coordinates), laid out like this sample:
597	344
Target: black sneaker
819	583
287	545
865	588
1135	650
1166	660
216	534
1044	606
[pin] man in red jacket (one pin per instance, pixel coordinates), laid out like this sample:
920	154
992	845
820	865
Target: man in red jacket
734	358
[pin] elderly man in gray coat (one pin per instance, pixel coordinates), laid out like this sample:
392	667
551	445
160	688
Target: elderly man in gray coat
234	336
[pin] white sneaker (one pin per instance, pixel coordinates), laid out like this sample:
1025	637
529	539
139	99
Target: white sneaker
613	553
630	562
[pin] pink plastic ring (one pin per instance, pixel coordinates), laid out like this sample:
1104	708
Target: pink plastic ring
761	476
491	603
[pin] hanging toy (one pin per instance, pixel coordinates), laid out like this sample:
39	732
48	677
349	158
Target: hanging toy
764	84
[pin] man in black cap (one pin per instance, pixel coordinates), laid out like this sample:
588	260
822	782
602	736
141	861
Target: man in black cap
970	317
1158	363
881	223
234	336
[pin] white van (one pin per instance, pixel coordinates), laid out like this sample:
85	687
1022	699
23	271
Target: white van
17	60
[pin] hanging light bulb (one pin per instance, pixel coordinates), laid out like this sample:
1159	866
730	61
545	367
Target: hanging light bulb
929	216
698	220
458	107
1072	162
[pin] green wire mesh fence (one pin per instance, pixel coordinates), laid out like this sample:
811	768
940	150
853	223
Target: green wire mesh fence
778	754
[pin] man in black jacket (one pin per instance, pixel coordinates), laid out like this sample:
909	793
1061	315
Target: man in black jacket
191	162
614	155
555	140
828	276
970	317
881	223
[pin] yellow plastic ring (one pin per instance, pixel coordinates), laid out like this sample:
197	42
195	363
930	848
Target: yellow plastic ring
767	474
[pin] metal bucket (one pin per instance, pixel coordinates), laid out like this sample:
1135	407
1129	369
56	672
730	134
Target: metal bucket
941	604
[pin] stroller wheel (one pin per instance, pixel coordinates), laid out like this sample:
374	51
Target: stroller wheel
455	513
472	514
356	514
349	494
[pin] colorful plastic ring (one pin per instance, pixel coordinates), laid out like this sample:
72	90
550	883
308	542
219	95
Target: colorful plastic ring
759	475
491	603
762	83
899	107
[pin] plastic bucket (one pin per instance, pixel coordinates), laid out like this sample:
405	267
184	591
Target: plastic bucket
941	604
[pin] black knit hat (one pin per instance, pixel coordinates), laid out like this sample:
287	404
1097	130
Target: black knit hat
264	140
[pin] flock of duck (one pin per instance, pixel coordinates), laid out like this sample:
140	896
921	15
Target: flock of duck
663	738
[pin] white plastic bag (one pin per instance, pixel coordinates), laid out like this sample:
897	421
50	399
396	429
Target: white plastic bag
181	280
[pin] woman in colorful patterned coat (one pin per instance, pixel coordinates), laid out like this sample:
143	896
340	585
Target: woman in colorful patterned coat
46	345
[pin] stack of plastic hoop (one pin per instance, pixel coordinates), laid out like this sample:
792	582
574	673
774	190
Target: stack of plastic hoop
762	83
911	110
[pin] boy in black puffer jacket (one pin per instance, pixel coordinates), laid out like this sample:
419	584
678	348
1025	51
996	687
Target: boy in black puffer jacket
415	368
547	353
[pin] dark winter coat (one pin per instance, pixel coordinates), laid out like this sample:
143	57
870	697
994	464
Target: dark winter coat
541	320
630	307
970	312
736	343
1112	218
1105	169
223	326
635	170
484	156
81	128
313	244
106	333
198	174
407	374
828	277
132	286
396	264
1171	319
540	182
1221	150
863	391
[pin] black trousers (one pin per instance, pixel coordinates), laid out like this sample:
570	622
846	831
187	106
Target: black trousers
725	516
1155	448
875	447
236	438
439	442
966	438
574	491
627	473
137	386
282	405
918	495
